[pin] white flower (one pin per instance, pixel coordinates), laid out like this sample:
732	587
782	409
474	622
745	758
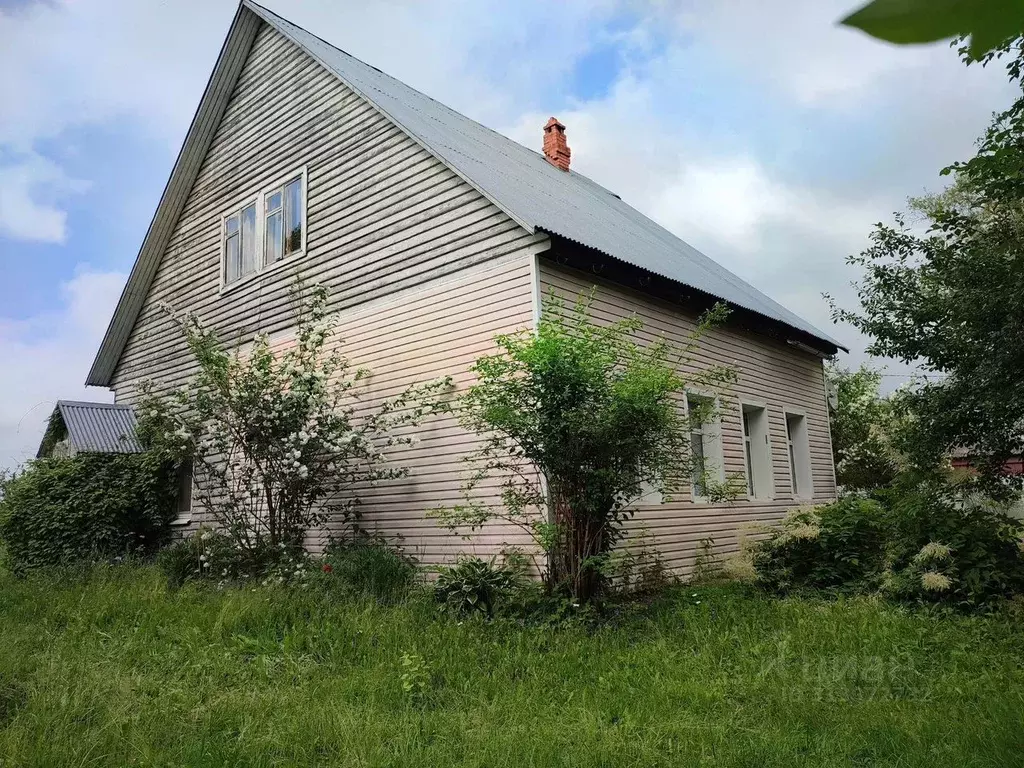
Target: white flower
933	550
934	581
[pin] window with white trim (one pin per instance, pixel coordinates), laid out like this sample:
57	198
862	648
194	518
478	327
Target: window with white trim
705	444
757	450
798	448
265	231
240	243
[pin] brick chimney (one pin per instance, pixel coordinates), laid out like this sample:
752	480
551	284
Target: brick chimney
555	149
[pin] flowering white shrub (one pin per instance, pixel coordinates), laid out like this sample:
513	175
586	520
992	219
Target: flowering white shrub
275	439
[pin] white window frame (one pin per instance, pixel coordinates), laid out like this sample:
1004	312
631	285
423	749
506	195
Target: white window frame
799	445
260	200
711	434
236	210
767	475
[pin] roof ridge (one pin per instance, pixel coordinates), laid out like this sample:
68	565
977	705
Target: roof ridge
87	404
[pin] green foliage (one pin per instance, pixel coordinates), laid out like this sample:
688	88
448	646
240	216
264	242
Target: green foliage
210	555
952	300
864	428
919	544
59	512
984	563
636	567
988	23
474	585
835	546
598	414
415	677
274	436
119	669
369	566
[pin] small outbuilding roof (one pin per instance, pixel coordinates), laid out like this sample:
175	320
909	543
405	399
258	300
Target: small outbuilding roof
91	428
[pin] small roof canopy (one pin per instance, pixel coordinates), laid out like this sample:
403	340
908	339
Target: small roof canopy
77	427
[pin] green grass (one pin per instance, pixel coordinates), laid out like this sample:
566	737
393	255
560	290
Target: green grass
117	670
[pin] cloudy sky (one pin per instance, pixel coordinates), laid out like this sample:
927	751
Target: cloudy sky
769	138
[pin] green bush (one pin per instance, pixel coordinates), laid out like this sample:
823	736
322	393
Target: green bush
941	550
210	555
915	544
64	511
835	546
475	585
369	566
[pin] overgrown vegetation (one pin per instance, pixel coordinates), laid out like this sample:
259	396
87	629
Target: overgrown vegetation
275	437
866	429
598	415
62	511
117	669
950	301
921	545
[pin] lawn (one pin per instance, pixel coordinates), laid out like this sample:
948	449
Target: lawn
117	670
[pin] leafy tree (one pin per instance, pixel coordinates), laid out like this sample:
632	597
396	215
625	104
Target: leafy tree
577	419
989	24
952	300
863	443
275	439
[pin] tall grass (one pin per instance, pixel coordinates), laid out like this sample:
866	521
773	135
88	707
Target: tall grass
114	669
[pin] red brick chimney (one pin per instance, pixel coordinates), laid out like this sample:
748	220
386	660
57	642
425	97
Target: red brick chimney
555	149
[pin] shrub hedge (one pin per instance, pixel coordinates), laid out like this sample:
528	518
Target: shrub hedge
921	545
90	507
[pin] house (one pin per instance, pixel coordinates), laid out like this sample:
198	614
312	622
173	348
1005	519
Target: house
434	234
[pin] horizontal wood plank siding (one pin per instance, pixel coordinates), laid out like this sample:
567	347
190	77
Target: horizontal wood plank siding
423	272
383	214
769	372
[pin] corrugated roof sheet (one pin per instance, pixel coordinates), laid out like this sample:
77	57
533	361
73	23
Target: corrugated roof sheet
100	427
531	190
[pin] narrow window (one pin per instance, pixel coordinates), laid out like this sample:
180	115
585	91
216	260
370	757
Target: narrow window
184	494
275	231
705	444
240	244
757	451
284	220
799	455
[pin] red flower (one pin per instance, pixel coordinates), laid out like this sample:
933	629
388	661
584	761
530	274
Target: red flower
327	568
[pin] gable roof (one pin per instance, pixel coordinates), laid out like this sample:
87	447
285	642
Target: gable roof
518	180
92	428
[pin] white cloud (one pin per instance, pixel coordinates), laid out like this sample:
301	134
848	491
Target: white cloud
30	189
46	358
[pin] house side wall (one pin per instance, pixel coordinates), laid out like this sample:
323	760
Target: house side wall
383	215
769	372
422	270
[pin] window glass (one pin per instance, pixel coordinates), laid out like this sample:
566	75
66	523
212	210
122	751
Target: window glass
705	443
248	240
184	500
293	216
232	254
799	455
699	463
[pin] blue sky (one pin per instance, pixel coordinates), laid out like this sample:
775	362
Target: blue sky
769	138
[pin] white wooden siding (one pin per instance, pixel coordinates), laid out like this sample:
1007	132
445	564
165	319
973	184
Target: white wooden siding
382	215
769	372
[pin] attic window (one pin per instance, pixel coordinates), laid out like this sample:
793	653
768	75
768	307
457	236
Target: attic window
240	244
265	231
